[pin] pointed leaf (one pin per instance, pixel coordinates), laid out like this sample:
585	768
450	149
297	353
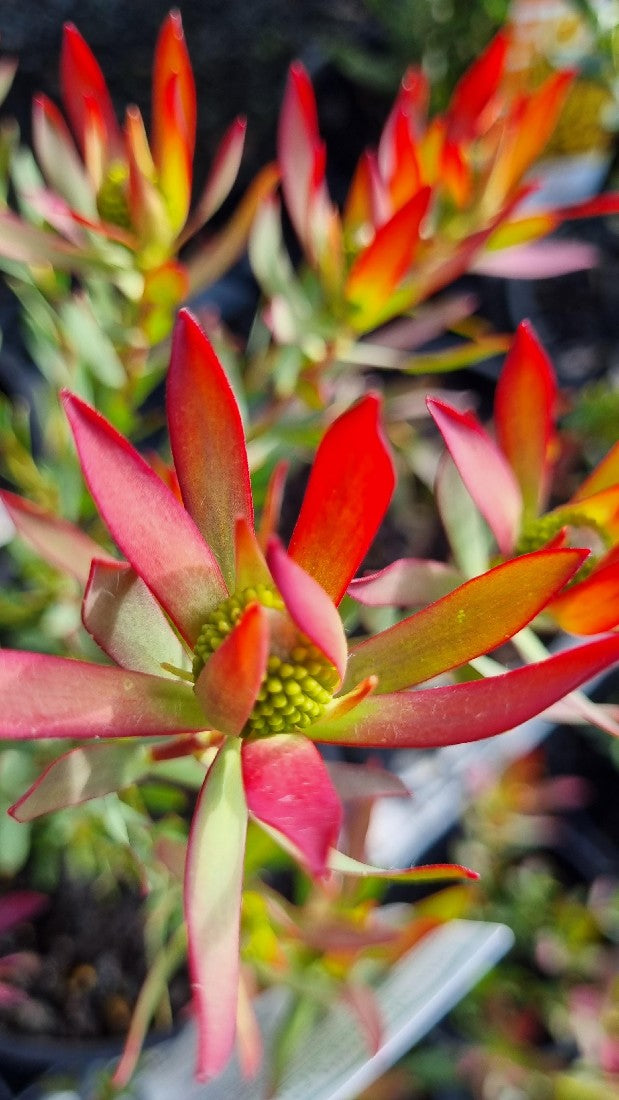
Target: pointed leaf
57	541
526	132
343	703
125	620
524	411
475	89
152	529
174	161
271	511
345	865
592	605
171	61
604	476
28	244
55	697
221	179
407	582
79	775
381	266
58	157
309	606
404	171
230	680
537	261
347	495
221	251
288	787
82	82
250	564
459	714
473	619
299	149
483	469
149	214
207	440
213	883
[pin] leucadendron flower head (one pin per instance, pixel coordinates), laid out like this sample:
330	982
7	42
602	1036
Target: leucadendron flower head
439	196
230	646
113	197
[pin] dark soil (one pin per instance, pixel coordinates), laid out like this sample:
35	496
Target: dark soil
87	966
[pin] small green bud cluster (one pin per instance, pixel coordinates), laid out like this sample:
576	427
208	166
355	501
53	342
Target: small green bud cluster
297	685
536	533
584	532
112	204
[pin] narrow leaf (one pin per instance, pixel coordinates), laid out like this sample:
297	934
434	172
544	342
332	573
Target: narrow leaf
309	606
461	713
124	618
289	789
57	541
56	697
153	530
208	442
345	865
79	775
213	883
524	411
475	618
483	469
347	495
407	582
381	266
230	680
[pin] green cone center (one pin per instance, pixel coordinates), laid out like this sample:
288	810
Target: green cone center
583	532
298	682
112	203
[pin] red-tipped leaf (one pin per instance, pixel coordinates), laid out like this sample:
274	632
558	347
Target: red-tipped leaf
208	442
171	62
213	884
153	530
461	713
483	469
56	697
79	775
288	788
524	411
309	606
125	620
381	266
81	83
57	541
473	619
347	495
230	680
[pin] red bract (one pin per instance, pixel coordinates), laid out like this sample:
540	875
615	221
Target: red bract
509	481
435	195
233	647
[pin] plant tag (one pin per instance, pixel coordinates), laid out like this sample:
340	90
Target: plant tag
333	1063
